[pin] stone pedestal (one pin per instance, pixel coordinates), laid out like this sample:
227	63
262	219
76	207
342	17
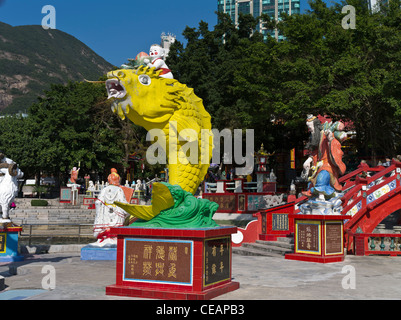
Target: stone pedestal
9	244
318	238
173	264
99	253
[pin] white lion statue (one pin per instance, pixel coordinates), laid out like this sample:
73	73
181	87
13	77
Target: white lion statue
9	175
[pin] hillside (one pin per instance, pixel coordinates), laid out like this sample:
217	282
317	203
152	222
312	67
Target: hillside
32	58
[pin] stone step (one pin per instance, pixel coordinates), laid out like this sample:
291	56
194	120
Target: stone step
280	244
268	248
248	251
277	248
285	239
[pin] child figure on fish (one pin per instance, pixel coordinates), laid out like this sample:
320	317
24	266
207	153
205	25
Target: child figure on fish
156	60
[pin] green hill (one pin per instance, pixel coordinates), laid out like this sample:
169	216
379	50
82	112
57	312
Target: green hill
32	58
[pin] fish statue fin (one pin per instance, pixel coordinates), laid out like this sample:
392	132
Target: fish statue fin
162	200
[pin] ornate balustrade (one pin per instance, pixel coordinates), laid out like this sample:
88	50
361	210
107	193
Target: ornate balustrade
377	244
239	186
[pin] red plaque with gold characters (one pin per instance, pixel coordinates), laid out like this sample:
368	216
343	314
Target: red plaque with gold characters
217	260
307	237
161	261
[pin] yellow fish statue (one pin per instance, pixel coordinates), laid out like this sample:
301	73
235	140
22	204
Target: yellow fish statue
173	110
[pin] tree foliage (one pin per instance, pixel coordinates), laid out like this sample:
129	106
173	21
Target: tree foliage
321	68
246	82
63	129
73	125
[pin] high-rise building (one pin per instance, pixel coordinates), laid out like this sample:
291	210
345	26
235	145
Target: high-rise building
376	5
167	40
372	5
256	7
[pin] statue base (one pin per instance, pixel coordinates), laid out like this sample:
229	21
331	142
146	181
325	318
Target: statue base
100	251
318	238
315	206
173	264
9	243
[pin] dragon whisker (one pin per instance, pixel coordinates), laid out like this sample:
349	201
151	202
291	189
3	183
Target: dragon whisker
94	81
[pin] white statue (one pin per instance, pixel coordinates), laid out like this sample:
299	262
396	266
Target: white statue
273	177
9	175
91	186
138	186
108	215
157	54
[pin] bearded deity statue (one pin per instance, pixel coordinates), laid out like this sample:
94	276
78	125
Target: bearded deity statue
324	165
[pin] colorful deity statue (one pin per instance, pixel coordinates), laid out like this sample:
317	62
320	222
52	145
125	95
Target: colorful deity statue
109	215
325	160
73	176
156	61
114	177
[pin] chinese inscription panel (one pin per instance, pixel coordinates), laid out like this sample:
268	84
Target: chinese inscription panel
308	237
279	222
217	264
158	261
334	234
226	202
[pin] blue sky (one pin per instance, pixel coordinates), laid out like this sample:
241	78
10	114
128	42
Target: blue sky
116	30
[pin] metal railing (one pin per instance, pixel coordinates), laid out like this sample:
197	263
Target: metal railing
55	230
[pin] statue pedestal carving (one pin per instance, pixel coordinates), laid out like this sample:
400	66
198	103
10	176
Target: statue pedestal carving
318	207
318	238
174	264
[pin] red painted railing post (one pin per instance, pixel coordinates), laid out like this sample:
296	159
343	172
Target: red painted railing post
359	240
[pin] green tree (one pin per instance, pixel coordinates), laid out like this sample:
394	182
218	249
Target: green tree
68	128
346	73
235	72
17	143
321	68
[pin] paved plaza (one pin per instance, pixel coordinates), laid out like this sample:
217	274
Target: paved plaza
260	278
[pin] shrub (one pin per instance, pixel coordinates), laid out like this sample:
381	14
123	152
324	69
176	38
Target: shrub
39	203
